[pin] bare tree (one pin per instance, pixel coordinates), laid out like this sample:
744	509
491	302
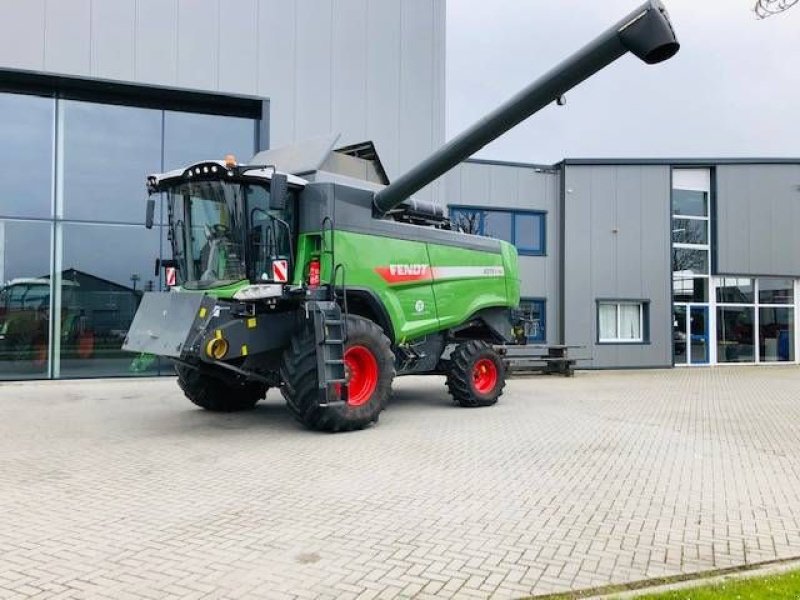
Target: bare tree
468	222
767	8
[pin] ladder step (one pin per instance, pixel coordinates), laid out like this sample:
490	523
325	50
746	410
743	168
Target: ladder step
329	322
333	342
337	361
332	404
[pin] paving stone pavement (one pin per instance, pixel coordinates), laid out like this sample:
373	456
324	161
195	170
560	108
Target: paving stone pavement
122	489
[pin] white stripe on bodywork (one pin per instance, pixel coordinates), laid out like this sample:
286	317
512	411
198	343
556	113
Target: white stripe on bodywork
466	272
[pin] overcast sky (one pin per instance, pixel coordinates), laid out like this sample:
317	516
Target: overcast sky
732	90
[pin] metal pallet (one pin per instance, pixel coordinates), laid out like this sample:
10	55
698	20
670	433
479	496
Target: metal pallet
530	358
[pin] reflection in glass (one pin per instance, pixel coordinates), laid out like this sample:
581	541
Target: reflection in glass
679	335
190	138
690	289
24	299
773	290
26	155
687	262
737	290
698	334
497	224
776	334
690	231
108	152
689	203
735	335
531	314
106	290
528	232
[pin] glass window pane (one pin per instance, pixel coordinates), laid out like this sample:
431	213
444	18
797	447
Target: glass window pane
108	152
776	334
686	261
689	203
689	231
531	313
608	321
106	288
24	299
735	335
26	155
497	224
630	323
690	289
191	138
738	290
468	221
772	290
528	232
679	335
698	334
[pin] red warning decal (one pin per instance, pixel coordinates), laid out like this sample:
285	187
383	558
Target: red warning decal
171	276
404	273
280	270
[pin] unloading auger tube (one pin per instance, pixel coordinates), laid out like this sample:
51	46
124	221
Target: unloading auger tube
646	32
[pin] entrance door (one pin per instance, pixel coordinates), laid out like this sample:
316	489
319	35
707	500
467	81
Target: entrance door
698	335
690	333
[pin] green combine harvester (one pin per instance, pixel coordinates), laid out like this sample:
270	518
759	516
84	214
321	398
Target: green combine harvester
305	269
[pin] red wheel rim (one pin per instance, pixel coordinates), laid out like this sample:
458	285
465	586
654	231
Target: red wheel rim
362	374
484	375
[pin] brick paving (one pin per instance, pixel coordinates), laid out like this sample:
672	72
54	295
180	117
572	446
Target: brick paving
121	489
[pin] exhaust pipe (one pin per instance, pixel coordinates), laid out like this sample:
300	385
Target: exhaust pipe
646	32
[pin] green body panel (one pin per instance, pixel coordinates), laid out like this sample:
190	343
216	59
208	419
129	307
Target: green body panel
431	286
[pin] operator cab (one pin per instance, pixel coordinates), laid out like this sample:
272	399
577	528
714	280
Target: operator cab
227	223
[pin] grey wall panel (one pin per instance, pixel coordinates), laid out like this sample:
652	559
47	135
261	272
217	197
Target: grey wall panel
277	71
68	37
383	81
198	44
520	187
156	44
313	62
349	67
757	210
370	69
616	245
238	47
113	39
22	33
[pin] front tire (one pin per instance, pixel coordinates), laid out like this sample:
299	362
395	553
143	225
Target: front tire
476	375
216	394
369	362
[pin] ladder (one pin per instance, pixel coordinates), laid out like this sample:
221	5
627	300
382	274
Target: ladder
329	335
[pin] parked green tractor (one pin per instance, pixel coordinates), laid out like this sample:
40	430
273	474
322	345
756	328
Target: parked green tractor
305	269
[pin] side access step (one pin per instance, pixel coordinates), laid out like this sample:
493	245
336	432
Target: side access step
329	334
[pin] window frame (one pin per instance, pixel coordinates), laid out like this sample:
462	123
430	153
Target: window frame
644	321
514	212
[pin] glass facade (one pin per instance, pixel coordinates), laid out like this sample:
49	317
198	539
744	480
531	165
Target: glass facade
691	266
75	257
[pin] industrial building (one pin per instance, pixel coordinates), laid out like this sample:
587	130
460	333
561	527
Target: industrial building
639	263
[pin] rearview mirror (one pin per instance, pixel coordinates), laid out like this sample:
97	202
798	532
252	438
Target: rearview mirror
279	191
151	211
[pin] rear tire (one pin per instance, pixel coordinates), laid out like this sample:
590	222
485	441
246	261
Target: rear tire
370	361
216	394
476	375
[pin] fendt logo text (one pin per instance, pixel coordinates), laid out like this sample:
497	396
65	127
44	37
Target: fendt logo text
409	270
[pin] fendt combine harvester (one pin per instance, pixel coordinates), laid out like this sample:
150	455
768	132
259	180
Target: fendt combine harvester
291	271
